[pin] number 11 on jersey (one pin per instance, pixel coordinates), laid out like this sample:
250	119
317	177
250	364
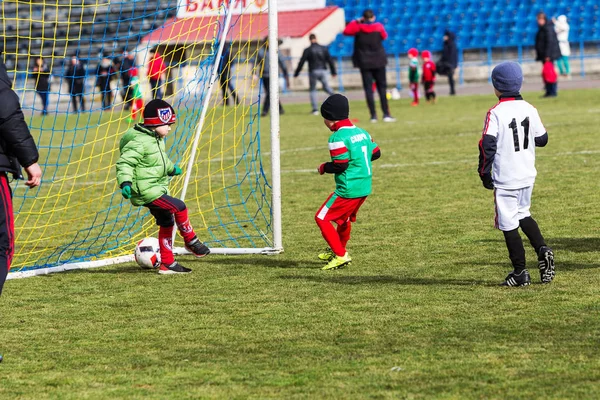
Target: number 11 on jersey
525	125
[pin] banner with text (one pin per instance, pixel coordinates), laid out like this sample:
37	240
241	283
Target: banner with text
200	8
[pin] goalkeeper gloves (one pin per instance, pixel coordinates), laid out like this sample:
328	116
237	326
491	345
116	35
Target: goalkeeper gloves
487	181
126	190
176	171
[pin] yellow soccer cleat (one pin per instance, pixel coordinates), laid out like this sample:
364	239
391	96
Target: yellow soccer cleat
327	255
338	262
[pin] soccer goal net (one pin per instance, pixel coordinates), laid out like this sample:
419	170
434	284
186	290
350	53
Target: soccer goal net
79	66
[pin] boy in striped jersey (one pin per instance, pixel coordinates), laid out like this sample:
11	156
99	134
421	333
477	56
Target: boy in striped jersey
352	150
512	131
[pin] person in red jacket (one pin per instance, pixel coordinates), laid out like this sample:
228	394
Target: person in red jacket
428	76
550	78
369	56
156	71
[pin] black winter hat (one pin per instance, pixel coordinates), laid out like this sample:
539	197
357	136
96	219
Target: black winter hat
335	108
158	112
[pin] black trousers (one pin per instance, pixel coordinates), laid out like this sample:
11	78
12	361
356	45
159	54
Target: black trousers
7	229
107	99
451	80
74	101
225	81
378	76
44	96
267	103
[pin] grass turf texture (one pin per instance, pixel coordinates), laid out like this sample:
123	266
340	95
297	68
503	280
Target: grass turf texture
420	295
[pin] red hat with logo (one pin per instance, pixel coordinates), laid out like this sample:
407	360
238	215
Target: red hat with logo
158	112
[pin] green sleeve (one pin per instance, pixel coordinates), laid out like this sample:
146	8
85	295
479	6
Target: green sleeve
131	155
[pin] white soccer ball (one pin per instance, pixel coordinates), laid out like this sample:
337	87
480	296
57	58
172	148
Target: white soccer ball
147	253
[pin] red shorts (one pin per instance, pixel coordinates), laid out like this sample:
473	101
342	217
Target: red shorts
339	209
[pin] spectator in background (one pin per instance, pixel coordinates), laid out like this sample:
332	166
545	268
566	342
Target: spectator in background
369	56
561	27
449	60
263	66
41	74
127	69
546	42
75	76
225	75
156	73
104	74
318	58
17	148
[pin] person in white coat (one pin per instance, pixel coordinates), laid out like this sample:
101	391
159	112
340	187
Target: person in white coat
561	27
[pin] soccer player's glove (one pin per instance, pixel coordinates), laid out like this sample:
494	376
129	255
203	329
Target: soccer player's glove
176	171
321	169
487	181
126	190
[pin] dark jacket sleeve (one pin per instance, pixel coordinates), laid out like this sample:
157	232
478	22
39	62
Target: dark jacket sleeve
16	141
335	168
301	63
487	152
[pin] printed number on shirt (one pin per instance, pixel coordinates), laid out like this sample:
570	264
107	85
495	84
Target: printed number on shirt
366	154
525	125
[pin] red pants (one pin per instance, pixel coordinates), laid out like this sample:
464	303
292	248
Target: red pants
7	229
343	212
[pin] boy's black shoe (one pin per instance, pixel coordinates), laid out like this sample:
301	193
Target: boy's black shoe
197	248
546	264
522	279
174	268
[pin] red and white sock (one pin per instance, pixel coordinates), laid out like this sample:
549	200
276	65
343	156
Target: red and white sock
165	243
183	223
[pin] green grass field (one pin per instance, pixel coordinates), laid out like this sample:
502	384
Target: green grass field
418	315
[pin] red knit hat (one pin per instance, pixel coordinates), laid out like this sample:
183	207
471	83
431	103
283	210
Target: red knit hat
158	112
426	54
413	52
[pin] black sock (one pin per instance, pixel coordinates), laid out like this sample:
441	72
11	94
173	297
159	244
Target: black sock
516	251
532	231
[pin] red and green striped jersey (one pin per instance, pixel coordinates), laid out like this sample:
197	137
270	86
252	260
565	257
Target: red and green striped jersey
352	145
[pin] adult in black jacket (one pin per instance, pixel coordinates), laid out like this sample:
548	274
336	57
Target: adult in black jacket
449	60
225	75
370	57
104	74
318	58
546	42
17	149
41	74
75	76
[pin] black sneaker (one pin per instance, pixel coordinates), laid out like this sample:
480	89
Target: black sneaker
174	268
521	279
197	248
546	264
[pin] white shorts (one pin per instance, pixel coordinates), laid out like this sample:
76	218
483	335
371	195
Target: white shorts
511	207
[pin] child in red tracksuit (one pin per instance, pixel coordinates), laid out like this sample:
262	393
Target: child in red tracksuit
428	76
550	78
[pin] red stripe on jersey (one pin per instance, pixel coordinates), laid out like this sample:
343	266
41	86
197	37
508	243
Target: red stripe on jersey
337	152
486	124
340	161
341	124
507	99
376	149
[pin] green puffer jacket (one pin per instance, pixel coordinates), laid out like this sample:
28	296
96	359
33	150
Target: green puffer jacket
145	164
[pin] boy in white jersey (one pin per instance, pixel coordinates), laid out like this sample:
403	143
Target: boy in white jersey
511	132
352	150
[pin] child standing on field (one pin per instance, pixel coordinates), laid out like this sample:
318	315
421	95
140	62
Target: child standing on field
512	131
428	76
352	150
413	74
143	172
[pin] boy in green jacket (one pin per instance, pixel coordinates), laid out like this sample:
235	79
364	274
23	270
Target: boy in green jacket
143	172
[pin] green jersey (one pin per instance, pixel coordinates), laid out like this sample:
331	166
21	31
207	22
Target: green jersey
355	146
